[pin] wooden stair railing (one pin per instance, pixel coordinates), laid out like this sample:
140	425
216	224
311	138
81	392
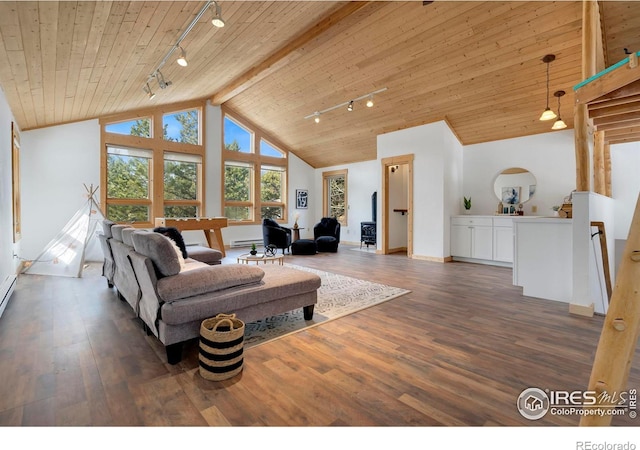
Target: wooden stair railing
619	337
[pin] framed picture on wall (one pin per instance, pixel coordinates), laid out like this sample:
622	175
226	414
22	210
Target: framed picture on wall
301	199
511	195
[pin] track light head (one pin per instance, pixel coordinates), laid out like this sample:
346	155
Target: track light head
217	20
370	101
161	81
147	90
317	117
350	107
182	60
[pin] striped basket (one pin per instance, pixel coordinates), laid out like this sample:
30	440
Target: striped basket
221	347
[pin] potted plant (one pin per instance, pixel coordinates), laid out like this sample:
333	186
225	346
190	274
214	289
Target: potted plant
467	204
556	210
253	249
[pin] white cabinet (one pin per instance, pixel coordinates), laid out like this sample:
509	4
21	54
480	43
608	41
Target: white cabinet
483	239
472	237
503	239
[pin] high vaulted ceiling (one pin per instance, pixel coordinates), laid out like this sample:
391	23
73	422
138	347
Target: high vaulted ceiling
477	65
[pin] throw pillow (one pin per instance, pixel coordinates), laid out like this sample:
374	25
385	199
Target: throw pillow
178	252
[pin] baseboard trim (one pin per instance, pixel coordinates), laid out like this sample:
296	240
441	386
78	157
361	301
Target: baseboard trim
431	258
581	310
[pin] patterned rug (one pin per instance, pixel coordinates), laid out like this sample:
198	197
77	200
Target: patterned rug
338	296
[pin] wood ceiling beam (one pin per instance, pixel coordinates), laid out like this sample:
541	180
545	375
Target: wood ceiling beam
285	55
626	137
614	110
616	82
622	131
618	118
607	103
619	125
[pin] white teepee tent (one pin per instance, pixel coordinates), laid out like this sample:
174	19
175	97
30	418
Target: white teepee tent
65	255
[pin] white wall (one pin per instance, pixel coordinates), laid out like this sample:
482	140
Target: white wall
550	157
625	185
362	181
8	264
55	163
435	180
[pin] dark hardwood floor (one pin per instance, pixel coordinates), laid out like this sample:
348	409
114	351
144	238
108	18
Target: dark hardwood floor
456	351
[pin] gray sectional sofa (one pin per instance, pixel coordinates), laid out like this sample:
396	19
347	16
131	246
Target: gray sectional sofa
176	294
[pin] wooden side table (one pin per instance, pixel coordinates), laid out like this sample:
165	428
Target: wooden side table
296	233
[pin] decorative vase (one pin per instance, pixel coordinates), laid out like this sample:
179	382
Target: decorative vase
467	211
295	225
254	252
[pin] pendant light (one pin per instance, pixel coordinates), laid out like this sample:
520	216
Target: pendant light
548	114
559	124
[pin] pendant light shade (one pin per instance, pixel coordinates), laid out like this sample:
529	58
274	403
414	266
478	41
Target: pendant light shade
559	124
548	114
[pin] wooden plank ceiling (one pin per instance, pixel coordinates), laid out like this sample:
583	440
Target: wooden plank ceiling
475	64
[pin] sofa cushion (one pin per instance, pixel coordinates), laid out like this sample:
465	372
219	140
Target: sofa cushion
116	231
207	279
205	254
126	236
158	249
106	228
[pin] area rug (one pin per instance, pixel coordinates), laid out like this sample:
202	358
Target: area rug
338	296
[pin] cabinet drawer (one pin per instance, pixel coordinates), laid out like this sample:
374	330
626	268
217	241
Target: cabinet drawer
503	222
477	221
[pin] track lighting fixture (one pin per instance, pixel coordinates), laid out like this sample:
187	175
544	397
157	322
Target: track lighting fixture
161	81
147	89
559	124
349	104
548	114
217	20
182	59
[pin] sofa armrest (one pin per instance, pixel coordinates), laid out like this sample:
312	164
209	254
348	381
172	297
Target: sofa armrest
207	279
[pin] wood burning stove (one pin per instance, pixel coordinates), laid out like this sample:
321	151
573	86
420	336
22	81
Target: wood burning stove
368	231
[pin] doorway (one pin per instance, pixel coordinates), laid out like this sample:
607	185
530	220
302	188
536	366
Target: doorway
397	205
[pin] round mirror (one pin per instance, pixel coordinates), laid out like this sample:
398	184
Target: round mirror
514	186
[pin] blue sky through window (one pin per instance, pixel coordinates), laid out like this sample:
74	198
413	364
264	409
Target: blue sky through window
233	131
173	128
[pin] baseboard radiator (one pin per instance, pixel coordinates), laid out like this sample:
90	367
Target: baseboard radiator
245	242
6	289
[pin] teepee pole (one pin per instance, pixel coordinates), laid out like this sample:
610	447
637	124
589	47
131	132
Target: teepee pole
620	331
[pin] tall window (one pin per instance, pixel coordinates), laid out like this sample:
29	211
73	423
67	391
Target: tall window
334	187
128	174
153	164
255	175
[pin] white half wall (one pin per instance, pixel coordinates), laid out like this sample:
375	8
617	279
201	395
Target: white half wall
55	163
550	157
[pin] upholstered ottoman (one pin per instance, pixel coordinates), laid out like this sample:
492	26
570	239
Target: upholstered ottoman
303	247
327	244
